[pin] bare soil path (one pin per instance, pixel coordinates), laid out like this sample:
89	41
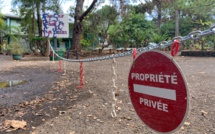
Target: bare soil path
51	103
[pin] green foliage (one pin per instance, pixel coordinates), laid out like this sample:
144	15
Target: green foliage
85	43
168	28
143	8
28	22
156	38
98	23
1	48
107	14
15	48
37	38
2	23
209	42
186	26
194	14
113	33
133	31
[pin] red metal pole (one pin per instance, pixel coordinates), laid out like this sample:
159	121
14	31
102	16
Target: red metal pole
60	66
81	76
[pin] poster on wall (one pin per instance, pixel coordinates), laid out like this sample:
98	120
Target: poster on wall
55	25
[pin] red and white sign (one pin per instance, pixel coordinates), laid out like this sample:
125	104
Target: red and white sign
158	91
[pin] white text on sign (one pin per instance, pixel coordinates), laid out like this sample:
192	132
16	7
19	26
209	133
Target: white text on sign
161	78
154	104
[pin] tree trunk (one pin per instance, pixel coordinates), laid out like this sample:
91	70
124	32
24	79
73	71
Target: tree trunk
33	29
47	51
42	45
159	16
158	4
38	24
77	30
177	12
39	19
122	7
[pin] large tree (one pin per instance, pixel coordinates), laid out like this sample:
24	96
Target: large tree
190	8
133	31
79	16
78	22
154	8
165	10
98	23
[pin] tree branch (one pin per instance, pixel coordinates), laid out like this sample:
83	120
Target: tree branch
88	10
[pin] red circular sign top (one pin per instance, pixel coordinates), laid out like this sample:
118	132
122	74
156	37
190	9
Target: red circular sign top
158	91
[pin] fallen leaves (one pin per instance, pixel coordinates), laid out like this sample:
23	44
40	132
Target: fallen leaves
202	72
19	114
3	112
49	96
73	132
119	108
62	112
12	125
99	120
90	115
127	118
203	113
33	102
187	123
131	109
38	114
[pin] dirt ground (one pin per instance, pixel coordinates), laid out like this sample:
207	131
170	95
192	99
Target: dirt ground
51	103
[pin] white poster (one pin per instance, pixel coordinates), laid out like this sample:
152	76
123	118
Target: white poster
55	25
